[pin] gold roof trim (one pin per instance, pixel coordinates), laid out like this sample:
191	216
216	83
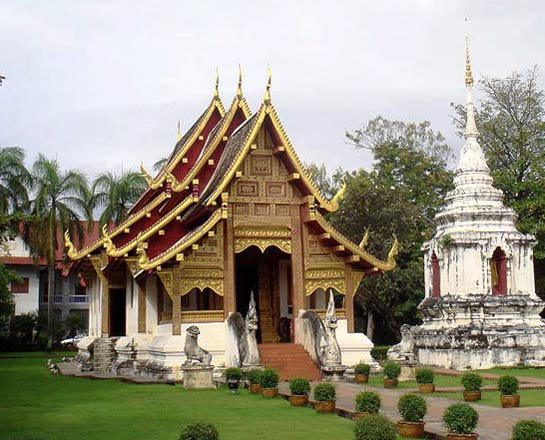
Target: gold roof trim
187	240
387	265
227	119
75	254
112	251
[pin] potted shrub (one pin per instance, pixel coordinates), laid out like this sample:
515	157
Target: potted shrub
461	421
424	378
324	397
253	377
233	376
367	403
508	386
528	430
269	383
299	389
374	427
412	408
361	372
199	431
391	372
472	386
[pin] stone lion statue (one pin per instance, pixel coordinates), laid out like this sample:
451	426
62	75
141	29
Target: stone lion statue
195	354
404	351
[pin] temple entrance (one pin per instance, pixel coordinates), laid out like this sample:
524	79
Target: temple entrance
117	312
268	276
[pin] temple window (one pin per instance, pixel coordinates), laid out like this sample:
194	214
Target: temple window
498	272
435	276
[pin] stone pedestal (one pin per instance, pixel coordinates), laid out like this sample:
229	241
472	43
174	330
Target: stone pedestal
198	377
408	371
333	372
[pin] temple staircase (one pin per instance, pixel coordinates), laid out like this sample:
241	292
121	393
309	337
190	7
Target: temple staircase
104	353
290	360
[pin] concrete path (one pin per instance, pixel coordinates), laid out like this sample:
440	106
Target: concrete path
494	423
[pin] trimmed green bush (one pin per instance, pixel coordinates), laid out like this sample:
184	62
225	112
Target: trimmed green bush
528	430
254	375
471	382
199	431
362	369
378	352
412	408
269	378
233	373
391	370
299	387
460	418
424	376
508	385
375	427
368	401
324	392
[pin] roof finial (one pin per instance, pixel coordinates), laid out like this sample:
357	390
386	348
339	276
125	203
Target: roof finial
471	126
268	90
179	134
239	87
217	86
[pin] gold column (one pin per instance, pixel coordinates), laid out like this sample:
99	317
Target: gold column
141	307
229	296
349	298
176	314
297	266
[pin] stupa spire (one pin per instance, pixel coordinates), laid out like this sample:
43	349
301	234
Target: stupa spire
239	86
471	126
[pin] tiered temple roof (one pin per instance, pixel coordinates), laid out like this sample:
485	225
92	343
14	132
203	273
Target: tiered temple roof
189	196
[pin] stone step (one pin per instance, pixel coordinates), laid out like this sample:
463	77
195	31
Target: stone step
290	360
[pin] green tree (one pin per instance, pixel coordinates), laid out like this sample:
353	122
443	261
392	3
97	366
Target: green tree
328	185
60	202
400	195
158	166
14	180
7	302
511	120
116	194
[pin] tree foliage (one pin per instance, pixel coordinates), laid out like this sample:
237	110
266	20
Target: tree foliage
116	194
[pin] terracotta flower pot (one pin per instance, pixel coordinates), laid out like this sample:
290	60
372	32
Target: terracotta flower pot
410	429
389	383
356	415
255	388
327	406
472	396
426	388
362	378
451	436
298	400
269	392
510	400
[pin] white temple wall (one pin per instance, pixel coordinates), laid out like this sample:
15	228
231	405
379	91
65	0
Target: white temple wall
152	315
131	304
95	307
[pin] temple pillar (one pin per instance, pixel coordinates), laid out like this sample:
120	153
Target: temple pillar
349	299
141	307
176	315
229	295
297	266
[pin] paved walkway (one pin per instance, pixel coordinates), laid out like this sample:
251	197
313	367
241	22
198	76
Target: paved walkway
494	423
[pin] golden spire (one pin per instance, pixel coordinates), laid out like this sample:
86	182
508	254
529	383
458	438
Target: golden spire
364	240
108	243
239	87
179	134
340	194
146	175
267	98
68	244
469	75
217	86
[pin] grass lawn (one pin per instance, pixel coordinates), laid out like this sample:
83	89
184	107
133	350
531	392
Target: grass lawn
492	398
529	372
40	354
35	404
375	380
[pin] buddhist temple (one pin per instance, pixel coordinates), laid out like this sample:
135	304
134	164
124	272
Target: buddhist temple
232	212
481	309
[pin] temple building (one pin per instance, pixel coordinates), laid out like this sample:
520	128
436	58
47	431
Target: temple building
481	309
232	212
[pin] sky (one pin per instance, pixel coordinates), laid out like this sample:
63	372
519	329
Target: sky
101	85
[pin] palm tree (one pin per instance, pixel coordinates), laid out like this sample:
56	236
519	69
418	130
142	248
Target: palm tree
116	194
60	202
158	166
14	180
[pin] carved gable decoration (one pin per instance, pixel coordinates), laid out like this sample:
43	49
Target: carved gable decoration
325	278
263	237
